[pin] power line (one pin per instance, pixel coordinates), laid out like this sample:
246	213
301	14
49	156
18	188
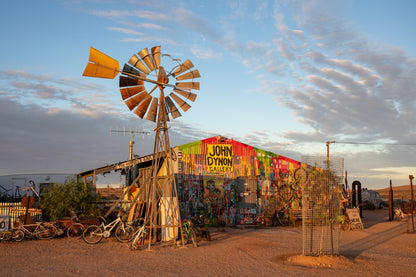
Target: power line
374	143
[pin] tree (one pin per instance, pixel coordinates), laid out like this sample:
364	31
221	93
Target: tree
59	200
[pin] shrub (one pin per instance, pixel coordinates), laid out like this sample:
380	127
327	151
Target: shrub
59	200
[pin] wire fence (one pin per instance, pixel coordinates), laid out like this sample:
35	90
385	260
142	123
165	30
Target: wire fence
321	207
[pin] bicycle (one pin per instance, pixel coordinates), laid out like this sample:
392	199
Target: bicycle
127	233
139	238
40	230
93	234
399	215
199	225
188	232
71	226
281	217
9	235
347	225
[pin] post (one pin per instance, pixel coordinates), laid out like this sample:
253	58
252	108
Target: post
391	214
327	153
412	203
131	142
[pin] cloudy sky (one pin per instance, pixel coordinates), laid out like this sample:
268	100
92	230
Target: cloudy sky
284	76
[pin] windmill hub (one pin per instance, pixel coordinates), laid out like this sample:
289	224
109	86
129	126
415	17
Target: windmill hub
162	77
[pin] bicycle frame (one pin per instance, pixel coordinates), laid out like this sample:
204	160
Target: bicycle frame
110	226
39	228
139	237
63	224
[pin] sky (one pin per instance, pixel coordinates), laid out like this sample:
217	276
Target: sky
283	76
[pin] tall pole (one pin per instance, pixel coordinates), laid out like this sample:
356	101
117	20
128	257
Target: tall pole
327	153
412	203
391	214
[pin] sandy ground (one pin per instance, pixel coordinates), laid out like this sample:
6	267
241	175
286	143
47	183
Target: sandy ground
382	249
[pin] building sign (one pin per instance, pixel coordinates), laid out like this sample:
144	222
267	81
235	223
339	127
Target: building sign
220	157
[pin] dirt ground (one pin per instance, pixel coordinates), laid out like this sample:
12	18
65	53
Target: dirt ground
383	248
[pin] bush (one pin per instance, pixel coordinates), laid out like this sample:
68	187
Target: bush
59	200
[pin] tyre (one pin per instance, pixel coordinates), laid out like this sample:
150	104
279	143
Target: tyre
194	240
18	235
185	236
345	226
75	230
124	234
139	242
46	231
92	234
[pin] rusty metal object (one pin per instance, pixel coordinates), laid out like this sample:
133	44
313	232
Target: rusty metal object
412	203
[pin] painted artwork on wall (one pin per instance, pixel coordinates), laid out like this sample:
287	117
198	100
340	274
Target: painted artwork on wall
213	187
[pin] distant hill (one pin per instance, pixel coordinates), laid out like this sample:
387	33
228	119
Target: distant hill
399	192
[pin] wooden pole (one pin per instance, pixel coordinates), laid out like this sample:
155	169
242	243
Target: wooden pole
391	214
412	199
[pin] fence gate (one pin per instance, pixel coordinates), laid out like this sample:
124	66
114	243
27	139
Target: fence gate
321	206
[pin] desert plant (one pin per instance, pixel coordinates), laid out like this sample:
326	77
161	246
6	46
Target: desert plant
60	199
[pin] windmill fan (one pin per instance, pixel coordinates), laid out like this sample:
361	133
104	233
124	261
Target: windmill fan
146	67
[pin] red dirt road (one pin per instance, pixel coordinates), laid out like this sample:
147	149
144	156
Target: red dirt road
382	249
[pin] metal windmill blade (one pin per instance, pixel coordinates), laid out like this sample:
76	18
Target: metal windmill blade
182	104
147	58
172	109
190	75
188	85
183	67
137	63
188	95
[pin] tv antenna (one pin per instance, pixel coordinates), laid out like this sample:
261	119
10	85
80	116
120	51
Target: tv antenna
125	132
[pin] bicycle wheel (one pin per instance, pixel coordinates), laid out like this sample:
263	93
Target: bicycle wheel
75	230
192	234
18	235
46	231
124	234
138	241
345	226
92	234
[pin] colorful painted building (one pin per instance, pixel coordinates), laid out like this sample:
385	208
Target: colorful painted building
221	177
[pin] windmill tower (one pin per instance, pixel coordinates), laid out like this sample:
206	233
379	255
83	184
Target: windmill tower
162	209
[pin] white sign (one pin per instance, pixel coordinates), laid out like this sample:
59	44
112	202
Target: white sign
4	222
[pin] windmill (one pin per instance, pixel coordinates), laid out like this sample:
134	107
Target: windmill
152	104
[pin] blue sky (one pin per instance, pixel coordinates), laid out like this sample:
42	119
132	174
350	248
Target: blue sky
284	76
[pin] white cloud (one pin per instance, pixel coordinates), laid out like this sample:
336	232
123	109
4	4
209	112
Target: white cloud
125	31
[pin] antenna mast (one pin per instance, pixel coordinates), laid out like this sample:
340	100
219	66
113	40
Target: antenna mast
131	142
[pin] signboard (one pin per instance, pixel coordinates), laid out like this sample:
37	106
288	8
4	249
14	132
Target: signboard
4	222
220	158
354	216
